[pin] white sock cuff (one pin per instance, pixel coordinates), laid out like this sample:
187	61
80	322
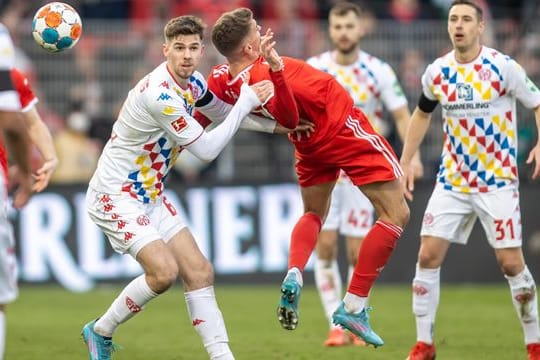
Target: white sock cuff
298	274
205	292
142	284
427	275
521	280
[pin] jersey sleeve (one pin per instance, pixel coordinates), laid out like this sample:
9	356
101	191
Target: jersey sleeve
522	86
22	85
391	92
9	100
282	105
170	113
427	83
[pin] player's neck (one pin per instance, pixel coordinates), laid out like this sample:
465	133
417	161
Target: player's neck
466	56
236	67
348	58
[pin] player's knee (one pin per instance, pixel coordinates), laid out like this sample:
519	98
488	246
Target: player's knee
200	275
428	259
511	266
163	278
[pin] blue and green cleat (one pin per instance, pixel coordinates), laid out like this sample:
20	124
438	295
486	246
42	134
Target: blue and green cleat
99	347
287	311
358	324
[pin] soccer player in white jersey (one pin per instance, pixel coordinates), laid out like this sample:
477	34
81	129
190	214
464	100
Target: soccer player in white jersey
477	88
125	195
372	84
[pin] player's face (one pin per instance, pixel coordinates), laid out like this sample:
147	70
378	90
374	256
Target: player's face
345	32
464	27
183	55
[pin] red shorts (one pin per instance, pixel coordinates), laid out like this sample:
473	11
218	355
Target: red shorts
364	155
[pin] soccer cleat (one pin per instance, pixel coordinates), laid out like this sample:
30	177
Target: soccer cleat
287	311
337	337
355	340
533	351
99	347
358	324
422	351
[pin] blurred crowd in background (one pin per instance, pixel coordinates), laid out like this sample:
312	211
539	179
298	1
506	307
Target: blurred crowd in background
81	90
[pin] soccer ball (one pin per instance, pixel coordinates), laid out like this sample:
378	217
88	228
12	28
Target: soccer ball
56	27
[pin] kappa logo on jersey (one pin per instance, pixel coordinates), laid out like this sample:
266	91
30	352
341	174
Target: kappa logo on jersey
465	92
164	96
164	84
179	124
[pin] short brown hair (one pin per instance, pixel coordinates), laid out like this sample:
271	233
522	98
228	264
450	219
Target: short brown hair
231	29
343	8
479	11
183	25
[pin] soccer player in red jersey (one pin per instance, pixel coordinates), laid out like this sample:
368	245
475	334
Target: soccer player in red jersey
343	140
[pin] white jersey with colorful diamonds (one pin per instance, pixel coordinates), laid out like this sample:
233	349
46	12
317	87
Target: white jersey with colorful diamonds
371	83
154	124
478	102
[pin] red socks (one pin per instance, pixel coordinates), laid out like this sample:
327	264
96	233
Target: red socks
375	252
303	240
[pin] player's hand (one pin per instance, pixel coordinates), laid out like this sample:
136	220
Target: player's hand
534	156
417	167
43	175
269	52
23	184
304	128
264	90
407	180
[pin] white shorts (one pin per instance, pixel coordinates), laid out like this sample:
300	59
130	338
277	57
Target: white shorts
8	260
451	215
130	224
351	212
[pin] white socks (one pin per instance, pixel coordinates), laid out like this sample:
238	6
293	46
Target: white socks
130	301
524	298
426	292
328	282
207	320
298	274
354	303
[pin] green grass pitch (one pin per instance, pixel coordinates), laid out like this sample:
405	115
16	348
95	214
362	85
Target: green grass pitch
474	322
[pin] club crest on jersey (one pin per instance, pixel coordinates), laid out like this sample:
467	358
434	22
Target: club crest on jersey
179	124
465	92
484	74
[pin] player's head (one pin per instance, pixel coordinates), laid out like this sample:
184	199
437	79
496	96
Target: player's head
344	27
183	46
236	35
465	24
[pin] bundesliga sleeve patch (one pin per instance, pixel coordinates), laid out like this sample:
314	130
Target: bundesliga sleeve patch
179	124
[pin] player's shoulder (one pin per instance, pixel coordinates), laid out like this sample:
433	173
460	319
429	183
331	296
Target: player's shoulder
371	62
320	60
219	71
495	57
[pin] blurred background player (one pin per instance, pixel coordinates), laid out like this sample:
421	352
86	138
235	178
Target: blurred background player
125	195
372	84
343	139
16	96
477	88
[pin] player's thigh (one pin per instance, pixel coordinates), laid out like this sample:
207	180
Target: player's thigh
194	269
449	215
125	221
316	198
357	212
500	215
331	223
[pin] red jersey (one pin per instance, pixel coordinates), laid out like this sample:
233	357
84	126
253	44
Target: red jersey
318	96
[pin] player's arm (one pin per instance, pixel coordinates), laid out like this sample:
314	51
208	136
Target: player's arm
534	154
17	142
416	131
207	146
283	105
41	137
402	117
211	109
